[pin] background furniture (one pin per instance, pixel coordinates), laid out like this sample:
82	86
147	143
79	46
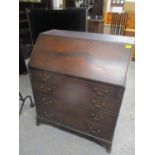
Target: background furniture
96	26
130	32
69	3
95	11
23	99
22	65
118	23
130	21
78	87
24	31
95	21
130	26
67	19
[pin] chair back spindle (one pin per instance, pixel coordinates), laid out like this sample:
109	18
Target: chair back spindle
118	23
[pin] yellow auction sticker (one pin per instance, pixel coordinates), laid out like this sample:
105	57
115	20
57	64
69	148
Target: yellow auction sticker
128	46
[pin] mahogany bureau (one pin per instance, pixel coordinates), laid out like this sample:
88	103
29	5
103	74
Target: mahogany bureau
78	81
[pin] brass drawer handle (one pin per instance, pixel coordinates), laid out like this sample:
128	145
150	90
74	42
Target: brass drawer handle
49	89
47	77
43	79
41	87
101	93
51	102
47	114
43	99
96	117
94	102
95	131
46	90
47	102
106	91
40	75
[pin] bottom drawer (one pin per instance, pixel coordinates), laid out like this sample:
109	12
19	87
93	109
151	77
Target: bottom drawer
72	121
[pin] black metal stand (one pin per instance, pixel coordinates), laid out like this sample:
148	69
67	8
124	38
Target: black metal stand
21	98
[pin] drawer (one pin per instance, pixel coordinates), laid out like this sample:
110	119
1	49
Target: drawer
68	89
99	103
98	131
71	120
100	117
79	96
43	81
42	76
106	91
42	87
80	109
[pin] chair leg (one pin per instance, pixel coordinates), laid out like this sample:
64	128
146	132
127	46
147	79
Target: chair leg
24	100
20	97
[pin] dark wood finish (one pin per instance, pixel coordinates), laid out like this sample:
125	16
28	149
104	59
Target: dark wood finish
95	26
130	32
98	6
130	21
118	23
24	29
75	85
77	55
49	3
69	3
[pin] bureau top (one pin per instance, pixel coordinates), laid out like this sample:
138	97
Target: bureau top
91	56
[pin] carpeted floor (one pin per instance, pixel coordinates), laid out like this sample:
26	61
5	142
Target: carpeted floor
47	140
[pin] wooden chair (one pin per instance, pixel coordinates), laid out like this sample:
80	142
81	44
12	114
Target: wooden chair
118	23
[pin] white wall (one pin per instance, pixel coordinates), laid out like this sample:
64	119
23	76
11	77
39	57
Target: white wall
116	9
57	3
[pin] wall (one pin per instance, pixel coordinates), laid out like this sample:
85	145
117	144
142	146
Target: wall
57	3
130	5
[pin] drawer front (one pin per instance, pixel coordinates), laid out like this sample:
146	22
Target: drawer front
101	118
78	109
49	80
43	76
80	95
99	131
88	106
72	119
101	104
111	93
